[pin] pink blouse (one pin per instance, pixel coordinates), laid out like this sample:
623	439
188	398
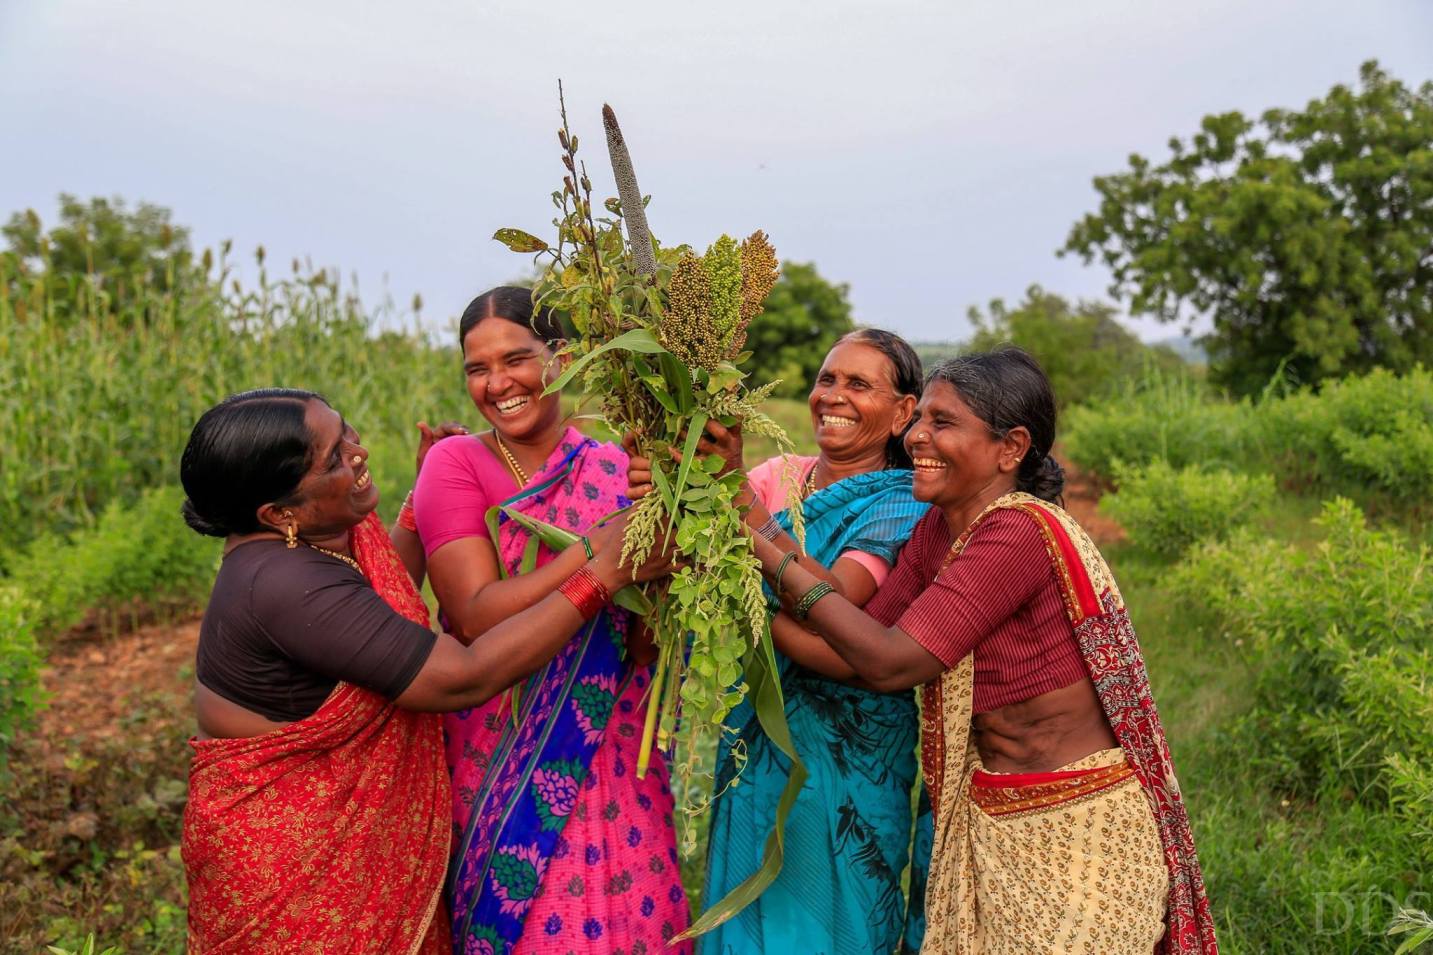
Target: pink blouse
460	480
769	481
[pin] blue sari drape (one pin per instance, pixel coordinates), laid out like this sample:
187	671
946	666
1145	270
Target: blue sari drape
848	836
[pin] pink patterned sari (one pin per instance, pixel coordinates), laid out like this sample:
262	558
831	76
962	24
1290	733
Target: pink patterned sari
558	846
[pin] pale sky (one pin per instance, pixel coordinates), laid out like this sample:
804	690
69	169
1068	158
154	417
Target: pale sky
933	155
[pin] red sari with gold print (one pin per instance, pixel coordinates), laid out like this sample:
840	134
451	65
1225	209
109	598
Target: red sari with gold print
331	833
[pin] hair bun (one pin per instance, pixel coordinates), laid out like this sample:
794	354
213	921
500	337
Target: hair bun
1047	482
199	523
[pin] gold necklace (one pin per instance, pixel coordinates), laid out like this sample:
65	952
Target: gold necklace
810	488
343	557
513	466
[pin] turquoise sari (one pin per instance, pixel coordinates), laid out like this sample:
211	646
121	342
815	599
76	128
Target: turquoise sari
848	836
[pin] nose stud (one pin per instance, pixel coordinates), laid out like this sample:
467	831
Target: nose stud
922	436
357	459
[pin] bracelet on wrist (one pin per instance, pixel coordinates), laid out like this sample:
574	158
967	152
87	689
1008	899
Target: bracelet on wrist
803	608
588	594
781	569
406	518
771	529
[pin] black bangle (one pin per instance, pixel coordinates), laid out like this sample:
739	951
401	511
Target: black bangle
781	569
586	546
803	608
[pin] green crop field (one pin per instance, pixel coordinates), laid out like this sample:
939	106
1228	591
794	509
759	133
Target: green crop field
1274	552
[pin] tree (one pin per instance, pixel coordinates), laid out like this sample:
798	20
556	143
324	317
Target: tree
103	241
1307	236
804	316
1083	349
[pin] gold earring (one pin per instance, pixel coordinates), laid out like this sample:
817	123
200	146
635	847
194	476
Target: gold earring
291	533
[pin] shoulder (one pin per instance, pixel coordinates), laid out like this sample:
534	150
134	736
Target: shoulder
461	452
782	467
1013	527
282	578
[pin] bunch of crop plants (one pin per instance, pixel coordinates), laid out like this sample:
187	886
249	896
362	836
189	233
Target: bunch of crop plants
657	349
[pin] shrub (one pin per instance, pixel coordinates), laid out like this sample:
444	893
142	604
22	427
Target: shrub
1173	417
1166	510
1338	640
1369	433
139	557
19	670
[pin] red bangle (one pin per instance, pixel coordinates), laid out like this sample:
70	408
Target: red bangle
406	518
586	592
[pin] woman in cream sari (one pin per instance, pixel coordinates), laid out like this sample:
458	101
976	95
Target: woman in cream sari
1059	824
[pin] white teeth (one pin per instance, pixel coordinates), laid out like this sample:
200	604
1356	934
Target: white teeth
509	405
831	421
365	479
927	464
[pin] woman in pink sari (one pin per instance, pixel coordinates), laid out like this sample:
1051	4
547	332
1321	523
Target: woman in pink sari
558	847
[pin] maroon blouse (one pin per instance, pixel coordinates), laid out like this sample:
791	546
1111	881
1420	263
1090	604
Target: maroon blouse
999	597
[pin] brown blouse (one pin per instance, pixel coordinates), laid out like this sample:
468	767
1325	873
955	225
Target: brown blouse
283	627
999	598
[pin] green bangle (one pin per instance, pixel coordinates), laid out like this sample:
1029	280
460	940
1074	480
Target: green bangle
586	546
781	568
809	600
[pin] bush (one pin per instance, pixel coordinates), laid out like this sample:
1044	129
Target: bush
1338	641
139	558
1165	510
1173	417
19	670
1369	433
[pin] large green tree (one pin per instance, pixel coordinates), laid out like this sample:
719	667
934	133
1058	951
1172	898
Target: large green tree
804	316
100	241
1082	347
1305	235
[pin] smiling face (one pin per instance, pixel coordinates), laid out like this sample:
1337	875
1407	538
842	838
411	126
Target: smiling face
957	457
854	406
338	490
507	369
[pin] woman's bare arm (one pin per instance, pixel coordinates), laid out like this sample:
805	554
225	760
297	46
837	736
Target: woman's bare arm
809	649
884	658
475	598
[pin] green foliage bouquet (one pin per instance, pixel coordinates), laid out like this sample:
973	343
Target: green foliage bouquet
658	342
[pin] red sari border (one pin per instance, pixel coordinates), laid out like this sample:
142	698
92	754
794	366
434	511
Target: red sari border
1000	794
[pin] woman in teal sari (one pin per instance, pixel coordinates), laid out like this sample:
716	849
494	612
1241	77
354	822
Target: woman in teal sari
848	836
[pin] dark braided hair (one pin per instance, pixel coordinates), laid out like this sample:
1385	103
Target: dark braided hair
1007	389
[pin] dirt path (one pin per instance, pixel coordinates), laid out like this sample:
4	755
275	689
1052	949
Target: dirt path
1082	500
94	684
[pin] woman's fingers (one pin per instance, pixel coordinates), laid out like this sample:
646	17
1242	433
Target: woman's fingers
449	428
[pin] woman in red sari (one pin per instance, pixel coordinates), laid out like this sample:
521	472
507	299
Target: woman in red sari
1059	824
319	799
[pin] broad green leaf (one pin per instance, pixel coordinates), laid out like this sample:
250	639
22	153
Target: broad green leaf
637	340
520	241
764	692
559	539
689	451
680	381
